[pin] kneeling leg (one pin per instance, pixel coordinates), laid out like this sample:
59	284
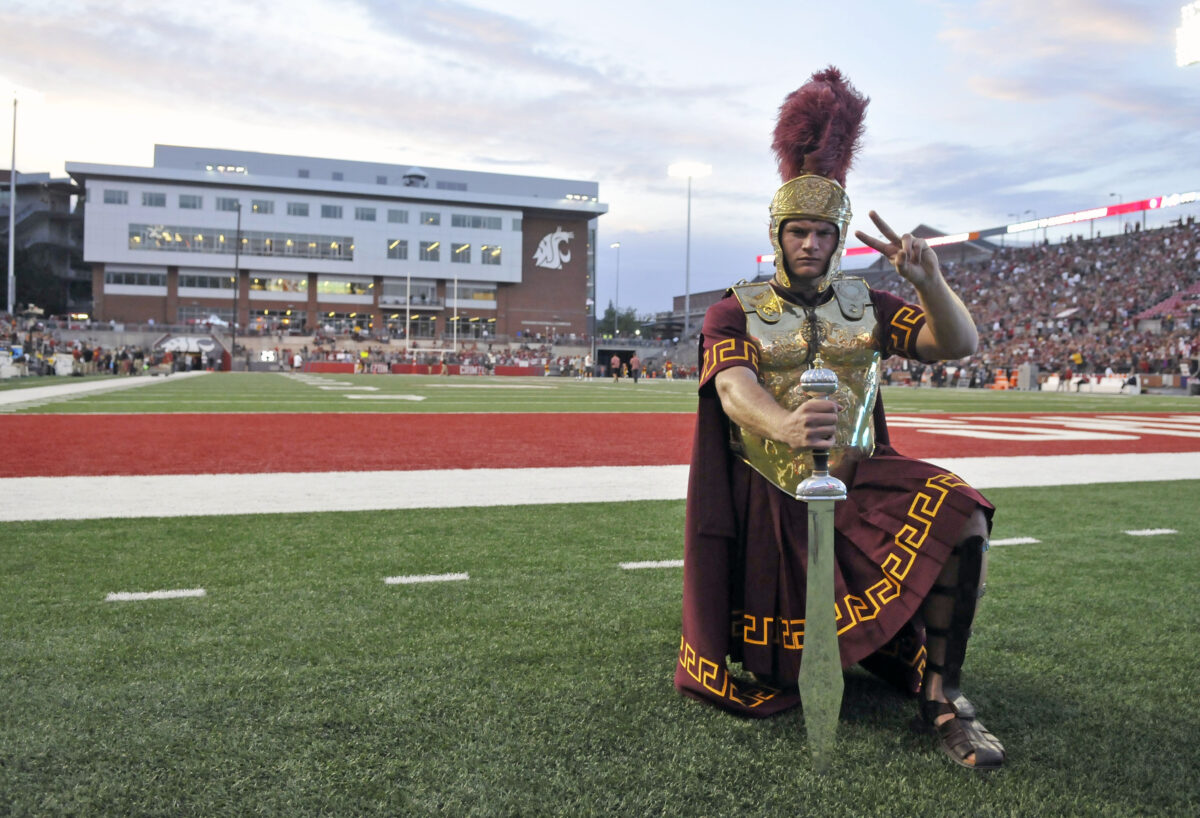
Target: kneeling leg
949	612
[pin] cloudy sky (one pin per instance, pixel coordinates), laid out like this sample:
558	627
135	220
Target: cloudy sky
980	108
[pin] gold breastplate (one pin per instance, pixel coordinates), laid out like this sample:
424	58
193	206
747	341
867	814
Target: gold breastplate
844	329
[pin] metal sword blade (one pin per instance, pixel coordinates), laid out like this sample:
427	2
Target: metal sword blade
820	681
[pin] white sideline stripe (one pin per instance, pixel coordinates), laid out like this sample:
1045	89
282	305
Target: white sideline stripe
139	596
66	391
630	566
88	498
1150	532
1015	541
412	580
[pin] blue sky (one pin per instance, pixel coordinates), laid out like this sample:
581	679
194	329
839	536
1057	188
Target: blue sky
979	109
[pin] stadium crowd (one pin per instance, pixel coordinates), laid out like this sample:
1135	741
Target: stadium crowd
1076	305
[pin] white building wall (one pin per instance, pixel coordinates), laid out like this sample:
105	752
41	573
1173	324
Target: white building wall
106	234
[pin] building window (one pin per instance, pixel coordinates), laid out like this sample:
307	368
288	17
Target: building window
206	282
397	248
398	216
516	224
337	176
226	203
298	209
331	211
430	251
451	185
302	173
489	254
474	292
264	206
475	222
423	326
116	196
192	314
254	242
461	254
154	199
136	279
188	201
429	217
381	180
327	285
280	284
396	292
364	214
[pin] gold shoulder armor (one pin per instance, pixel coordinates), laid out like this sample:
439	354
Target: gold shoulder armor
853	296
760	298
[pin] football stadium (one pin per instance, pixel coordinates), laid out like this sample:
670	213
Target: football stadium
327	489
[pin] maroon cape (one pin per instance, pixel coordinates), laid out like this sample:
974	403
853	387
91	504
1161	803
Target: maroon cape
746	547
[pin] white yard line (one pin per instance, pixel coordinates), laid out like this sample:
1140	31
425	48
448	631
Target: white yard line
82	498
1015	541
485	386
1150	532
139	596
633	566
419	578
386	397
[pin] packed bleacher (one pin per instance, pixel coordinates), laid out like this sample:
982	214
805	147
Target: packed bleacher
1129	303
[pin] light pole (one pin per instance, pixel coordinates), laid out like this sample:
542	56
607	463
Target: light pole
12	221
1034	214
29	95
1120	218
616	245
237	284
688	170
454	332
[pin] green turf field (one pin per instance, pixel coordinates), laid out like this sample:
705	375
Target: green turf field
268	392
302	684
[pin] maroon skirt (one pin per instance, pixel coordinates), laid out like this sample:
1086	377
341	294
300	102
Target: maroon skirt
893	534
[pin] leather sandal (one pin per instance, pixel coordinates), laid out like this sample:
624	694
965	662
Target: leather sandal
960	736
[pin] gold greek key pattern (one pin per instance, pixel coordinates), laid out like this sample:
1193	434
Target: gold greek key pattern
916	660
767	630
731	349
904	324
854	609
715	678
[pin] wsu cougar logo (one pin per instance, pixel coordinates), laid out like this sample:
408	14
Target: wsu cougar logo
549	253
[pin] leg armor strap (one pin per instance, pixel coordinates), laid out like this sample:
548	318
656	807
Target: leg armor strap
948	619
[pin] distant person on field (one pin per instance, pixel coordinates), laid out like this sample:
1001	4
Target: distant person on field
614	366
635	367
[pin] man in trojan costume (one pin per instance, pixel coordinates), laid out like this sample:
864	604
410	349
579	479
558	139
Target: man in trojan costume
910	539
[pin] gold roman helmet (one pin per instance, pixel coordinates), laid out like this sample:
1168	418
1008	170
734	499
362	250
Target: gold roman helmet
819	128
810	197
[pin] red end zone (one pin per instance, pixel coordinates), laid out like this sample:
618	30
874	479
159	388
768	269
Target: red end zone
62	445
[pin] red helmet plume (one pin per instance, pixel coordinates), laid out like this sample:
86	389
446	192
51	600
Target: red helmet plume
820	126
